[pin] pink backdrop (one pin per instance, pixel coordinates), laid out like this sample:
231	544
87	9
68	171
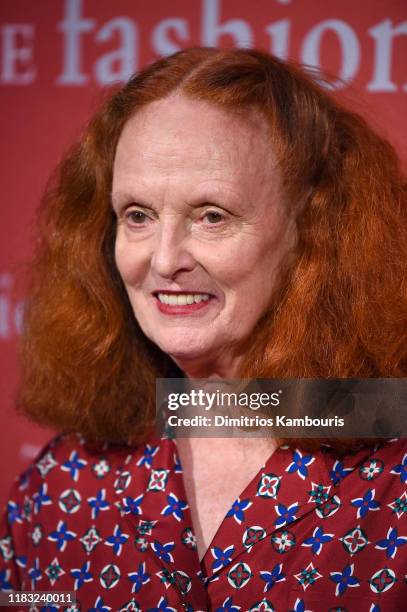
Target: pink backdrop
56	55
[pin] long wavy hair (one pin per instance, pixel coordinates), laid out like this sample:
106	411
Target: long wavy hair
340	310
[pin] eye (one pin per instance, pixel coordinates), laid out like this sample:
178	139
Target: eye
136	217
213	217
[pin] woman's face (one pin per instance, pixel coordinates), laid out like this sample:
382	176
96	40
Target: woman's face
201	228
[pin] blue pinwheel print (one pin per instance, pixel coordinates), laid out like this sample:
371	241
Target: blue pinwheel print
61	536
131	505
286	515
344	579
175	507
339	472
98	503
222	557
117	540
147	456
270	578
401	469
391	543
74	465
228	606
99	606
317	540
163	551
299	464
81	575
41	498
365	503
139	578
238	509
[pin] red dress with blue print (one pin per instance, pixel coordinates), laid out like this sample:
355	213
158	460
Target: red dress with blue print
309	532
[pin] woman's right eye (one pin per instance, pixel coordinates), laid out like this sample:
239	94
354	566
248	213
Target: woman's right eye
136	217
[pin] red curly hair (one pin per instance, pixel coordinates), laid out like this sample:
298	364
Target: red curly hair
340	310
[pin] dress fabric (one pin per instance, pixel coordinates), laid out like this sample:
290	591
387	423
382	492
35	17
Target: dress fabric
308	533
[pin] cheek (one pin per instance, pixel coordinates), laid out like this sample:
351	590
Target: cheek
124	270
231	258
242	264
128	262
249	276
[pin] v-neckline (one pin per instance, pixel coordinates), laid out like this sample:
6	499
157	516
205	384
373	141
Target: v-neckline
247	493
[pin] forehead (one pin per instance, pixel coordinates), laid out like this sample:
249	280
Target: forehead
194	139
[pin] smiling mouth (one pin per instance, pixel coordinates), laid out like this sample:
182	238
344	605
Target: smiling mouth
182	302
182	299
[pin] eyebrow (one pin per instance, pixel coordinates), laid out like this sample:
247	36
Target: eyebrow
119	199
215	195
218	196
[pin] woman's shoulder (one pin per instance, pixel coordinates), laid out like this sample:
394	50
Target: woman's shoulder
379	470
386	450
388	453
66	466
70	465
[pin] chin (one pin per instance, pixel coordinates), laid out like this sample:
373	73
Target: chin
180	347
183	353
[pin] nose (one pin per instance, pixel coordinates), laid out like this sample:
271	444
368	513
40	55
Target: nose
171	253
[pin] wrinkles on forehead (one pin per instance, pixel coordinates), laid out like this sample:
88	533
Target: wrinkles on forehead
178	143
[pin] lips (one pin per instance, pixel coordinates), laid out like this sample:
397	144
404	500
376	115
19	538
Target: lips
181	302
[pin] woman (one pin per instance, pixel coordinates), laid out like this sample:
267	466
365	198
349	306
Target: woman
222	217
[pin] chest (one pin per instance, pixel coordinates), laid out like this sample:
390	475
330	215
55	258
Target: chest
215	474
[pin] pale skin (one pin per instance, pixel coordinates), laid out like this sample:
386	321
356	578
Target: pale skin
197	196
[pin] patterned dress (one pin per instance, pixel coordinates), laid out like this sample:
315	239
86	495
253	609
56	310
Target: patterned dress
309	532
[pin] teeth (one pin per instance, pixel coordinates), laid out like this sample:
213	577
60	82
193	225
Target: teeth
184	299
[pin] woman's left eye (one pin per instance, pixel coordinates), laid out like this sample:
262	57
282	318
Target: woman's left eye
213	217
